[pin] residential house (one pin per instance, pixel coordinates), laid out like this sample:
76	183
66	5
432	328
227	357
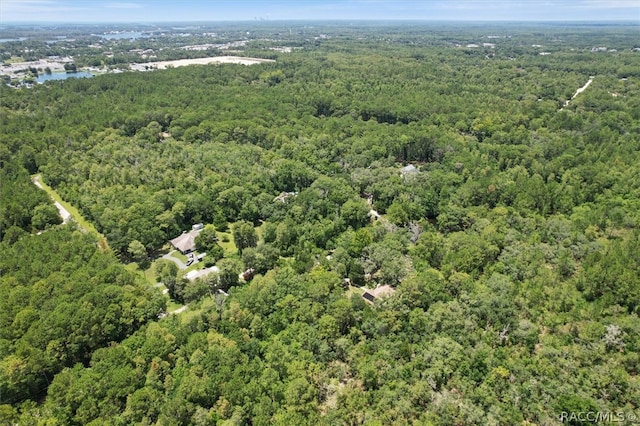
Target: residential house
186	242
378	293
408	170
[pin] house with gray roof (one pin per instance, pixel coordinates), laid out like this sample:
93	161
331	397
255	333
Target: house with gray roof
186	242
408	170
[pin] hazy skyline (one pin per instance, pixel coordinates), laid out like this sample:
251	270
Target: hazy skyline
85	11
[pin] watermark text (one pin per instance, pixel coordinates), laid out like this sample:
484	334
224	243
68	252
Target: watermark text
598	417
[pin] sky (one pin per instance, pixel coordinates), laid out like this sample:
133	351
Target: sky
138	11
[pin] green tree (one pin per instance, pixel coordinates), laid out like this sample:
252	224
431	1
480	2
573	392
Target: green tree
229	273
269	232
44	215
207	242
195	290
206	238
355	213
262	258
165	269
244	235
137	251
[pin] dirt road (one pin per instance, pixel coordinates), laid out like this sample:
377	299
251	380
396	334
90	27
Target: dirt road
64	213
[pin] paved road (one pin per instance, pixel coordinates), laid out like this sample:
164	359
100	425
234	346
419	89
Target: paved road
178	262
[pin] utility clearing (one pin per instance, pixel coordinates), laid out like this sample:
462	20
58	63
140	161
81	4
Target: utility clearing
68	212
580	90
64	213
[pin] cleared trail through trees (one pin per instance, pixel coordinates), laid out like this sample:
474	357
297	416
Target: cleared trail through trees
179	310
64	213
580	90
68	212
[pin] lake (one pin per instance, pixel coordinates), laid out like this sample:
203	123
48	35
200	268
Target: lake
63	76
131	35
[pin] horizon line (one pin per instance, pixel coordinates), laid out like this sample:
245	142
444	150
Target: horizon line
262	21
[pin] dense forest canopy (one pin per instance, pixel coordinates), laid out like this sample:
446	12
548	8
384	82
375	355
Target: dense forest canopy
454	164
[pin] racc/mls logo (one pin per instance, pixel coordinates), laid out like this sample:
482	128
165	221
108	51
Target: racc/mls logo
597	417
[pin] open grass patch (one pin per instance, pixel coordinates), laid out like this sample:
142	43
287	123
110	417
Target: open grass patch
181	257
150	275
352	290
225	239
194	267
260	230
198	308
172	305
147	275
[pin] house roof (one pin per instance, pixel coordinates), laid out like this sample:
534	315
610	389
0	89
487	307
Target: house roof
408	170
378	293
187	241
383	291
248	274
368	296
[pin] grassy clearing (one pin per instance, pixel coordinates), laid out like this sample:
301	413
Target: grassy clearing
228	246
194	267
353	290
14	59
150	275
260	230
181	257
171	305
196	309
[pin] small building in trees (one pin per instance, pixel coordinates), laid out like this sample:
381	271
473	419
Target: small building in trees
408	170
378	293
248	274
186	242
367	296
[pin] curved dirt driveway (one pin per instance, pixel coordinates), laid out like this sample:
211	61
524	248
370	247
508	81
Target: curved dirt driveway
178	262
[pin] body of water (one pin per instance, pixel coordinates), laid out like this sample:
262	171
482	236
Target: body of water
6	40
63	76
131	35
